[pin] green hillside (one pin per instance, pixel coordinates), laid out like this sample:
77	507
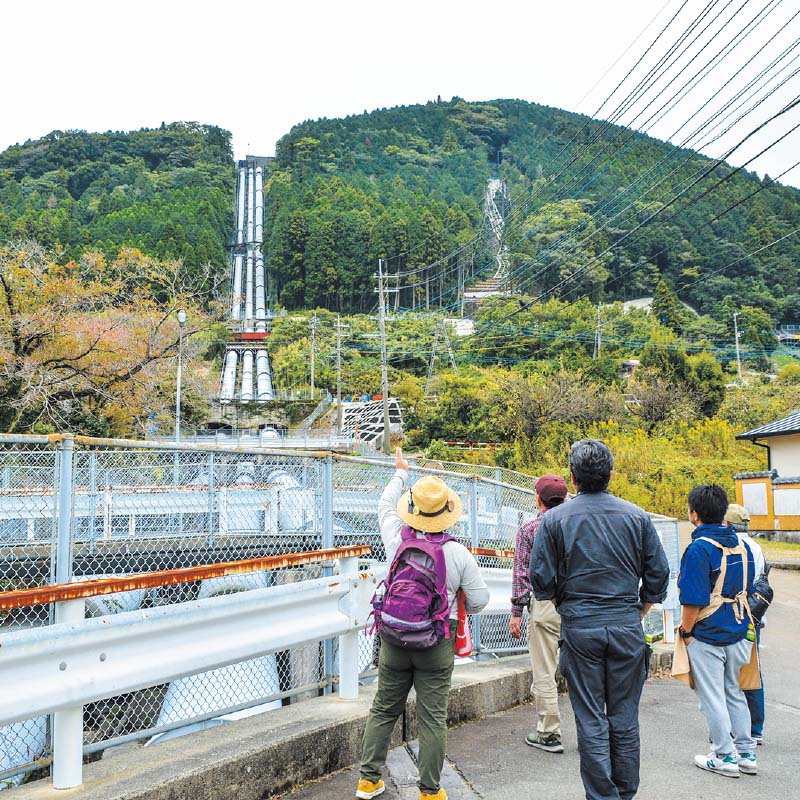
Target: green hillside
167	192
407	184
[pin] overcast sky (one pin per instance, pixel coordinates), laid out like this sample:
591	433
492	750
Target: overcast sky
257	68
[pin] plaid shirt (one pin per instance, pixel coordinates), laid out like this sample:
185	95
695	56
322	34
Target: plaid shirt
520	577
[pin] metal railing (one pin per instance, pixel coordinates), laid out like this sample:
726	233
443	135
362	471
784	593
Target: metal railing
81	509
305	439
96	659
324	405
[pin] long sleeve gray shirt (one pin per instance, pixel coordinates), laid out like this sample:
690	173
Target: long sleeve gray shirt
599	558
462	569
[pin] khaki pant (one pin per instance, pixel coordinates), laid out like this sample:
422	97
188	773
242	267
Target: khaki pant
544	631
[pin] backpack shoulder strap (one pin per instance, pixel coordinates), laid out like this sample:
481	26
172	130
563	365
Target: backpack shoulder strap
740	599
407	533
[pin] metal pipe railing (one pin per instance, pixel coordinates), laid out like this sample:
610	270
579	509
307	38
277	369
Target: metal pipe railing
61	592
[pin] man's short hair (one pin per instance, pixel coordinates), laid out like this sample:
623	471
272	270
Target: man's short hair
591	463
709	503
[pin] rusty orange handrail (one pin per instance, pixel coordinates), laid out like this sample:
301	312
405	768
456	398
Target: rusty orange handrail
20	598
488	551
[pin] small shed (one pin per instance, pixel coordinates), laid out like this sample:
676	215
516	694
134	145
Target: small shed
773	497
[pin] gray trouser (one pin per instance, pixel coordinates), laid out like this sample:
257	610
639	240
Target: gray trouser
715	670
605	668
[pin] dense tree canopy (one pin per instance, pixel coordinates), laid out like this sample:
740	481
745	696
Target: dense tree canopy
166	192
407	184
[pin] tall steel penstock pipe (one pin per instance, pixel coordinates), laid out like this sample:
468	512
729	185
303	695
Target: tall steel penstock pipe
247	376
250	204
261	300
240	209
259	206
248	295
263	379
229	377
236	293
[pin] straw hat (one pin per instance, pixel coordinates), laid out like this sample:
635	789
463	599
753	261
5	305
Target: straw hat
430	506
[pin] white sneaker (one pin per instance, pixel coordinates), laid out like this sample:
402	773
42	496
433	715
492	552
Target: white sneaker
748	763
728	765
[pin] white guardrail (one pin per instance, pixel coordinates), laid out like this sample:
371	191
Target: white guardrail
60	668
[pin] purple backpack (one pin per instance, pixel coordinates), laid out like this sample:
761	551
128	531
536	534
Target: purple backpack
410	603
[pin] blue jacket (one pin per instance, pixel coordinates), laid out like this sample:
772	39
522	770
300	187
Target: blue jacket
700	566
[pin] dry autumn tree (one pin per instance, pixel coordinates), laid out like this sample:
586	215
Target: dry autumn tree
88	340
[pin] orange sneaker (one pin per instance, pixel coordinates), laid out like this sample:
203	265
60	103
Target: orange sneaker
440	795
367	789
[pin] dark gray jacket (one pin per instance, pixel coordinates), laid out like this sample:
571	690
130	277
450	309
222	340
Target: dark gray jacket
590	555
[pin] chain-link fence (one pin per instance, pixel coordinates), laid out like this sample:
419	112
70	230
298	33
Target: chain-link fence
28	507
117	508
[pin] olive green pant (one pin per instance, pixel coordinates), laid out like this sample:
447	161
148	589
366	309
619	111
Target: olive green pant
429	672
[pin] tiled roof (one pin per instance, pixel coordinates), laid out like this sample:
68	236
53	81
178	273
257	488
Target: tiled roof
743	476
783	427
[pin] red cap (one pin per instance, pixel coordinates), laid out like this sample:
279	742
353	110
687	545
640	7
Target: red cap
551	487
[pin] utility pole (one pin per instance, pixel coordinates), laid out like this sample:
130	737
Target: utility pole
449	346
339	329
460	296
598	336
738	352
440	330
429	380
384	366
313	349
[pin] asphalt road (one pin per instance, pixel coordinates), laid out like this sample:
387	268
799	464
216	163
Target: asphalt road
489	759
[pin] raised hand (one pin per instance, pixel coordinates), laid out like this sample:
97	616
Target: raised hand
399	461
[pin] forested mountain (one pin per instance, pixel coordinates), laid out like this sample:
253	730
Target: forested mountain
407	184
167	192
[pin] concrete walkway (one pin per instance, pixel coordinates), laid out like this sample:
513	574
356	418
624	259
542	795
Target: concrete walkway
489	759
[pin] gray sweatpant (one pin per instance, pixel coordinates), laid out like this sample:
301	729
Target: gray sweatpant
715	670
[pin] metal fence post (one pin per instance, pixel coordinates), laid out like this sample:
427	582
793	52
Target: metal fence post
211	485
498	503
473	526
66	454
67	724
92	499
348	643
327	541
67	768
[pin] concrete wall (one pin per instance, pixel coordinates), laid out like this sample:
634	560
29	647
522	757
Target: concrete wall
755	494
772	507
785	455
